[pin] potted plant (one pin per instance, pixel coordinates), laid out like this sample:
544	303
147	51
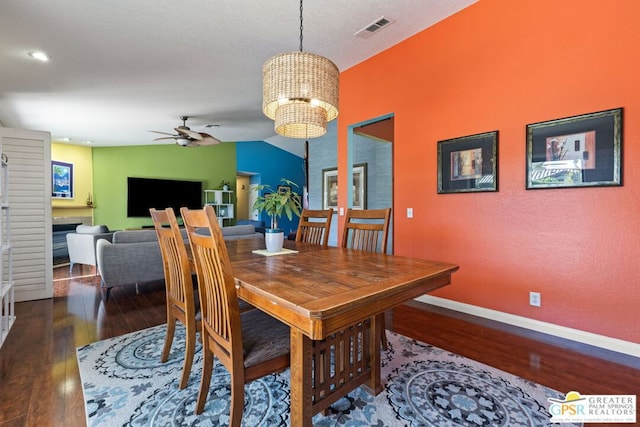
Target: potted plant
224	185
275	203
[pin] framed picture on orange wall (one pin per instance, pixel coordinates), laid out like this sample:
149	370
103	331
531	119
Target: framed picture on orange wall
579	151
468	164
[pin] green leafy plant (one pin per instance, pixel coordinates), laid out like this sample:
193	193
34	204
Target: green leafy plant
275	203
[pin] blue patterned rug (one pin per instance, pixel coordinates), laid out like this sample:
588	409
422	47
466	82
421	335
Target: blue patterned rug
125	384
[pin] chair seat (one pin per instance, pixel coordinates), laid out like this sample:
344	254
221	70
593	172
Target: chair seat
264	337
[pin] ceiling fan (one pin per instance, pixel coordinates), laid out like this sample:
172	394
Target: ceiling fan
186	137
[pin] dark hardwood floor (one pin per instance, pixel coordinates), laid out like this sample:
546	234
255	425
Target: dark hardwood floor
40	384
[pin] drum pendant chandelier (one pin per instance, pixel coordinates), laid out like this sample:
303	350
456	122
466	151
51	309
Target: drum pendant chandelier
300	92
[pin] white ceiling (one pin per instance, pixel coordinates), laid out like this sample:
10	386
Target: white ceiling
120	68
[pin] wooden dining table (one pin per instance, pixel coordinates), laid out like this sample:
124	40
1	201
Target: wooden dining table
332	299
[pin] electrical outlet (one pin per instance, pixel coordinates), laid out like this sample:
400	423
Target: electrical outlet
534	360
535	299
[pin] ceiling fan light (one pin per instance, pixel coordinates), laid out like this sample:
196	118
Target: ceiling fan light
183	141
294	80
300	120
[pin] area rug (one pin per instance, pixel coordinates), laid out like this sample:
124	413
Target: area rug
125	384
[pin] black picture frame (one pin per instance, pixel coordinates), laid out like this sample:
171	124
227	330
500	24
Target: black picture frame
577	151
61	180
468	164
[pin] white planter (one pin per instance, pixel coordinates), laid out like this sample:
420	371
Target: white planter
274	239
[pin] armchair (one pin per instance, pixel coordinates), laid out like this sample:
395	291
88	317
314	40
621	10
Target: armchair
82	244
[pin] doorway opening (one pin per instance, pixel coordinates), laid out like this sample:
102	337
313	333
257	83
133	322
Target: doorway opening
371	150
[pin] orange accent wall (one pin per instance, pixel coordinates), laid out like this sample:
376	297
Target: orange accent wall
500	65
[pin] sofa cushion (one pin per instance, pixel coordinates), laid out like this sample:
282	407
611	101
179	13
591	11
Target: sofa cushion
135	236
236	230
253	222
258	225
91	229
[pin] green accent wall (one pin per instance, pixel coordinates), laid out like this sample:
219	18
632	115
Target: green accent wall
112	166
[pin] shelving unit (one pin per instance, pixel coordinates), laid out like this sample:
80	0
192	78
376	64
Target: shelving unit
222	202
7	292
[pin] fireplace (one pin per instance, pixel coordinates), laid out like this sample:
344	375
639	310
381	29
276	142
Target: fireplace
60	227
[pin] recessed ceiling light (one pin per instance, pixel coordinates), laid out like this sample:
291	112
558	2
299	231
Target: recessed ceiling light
40	56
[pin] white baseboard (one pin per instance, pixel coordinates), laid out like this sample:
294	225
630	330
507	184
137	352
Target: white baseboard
608	343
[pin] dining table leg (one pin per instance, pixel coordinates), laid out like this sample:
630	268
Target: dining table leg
301	403
375	346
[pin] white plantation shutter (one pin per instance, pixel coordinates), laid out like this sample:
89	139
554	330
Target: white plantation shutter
29	159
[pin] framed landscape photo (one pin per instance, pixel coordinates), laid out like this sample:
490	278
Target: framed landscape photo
330	187
468	164
360	186
579	151
61	180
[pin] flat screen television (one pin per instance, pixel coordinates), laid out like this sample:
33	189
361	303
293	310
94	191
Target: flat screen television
145	193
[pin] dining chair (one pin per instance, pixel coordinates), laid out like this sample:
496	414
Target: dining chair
314	226
249	345
367	230
182	304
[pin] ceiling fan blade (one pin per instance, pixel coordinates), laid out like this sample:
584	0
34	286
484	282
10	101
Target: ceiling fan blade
190	133
208	140
162	133
165	137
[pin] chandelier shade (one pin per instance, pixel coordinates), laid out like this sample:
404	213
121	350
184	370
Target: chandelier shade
300	120
300	93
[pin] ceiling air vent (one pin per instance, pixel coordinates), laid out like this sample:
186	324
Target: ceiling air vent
374	27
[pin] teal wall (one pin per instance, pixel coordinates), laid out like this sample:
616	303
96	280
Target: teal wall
112	166
270	164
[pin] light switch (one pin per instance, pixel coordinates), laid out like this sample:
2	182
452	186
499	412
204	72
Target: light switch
409	212
341	211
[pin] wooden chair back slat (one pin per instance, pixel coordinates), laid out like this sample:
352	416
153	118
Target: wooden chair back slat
367	229
314	226
173	253
218	299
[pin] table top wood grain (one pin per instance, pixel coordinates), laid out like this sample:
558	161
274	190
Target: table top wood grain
321	290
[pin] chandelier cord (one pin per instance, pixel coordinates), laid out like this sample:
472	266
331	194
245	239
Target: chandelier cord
300	25
300	91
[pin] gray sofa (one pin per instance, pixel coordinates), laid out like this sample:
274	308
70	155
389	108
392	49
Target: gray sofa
133	257
259	225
